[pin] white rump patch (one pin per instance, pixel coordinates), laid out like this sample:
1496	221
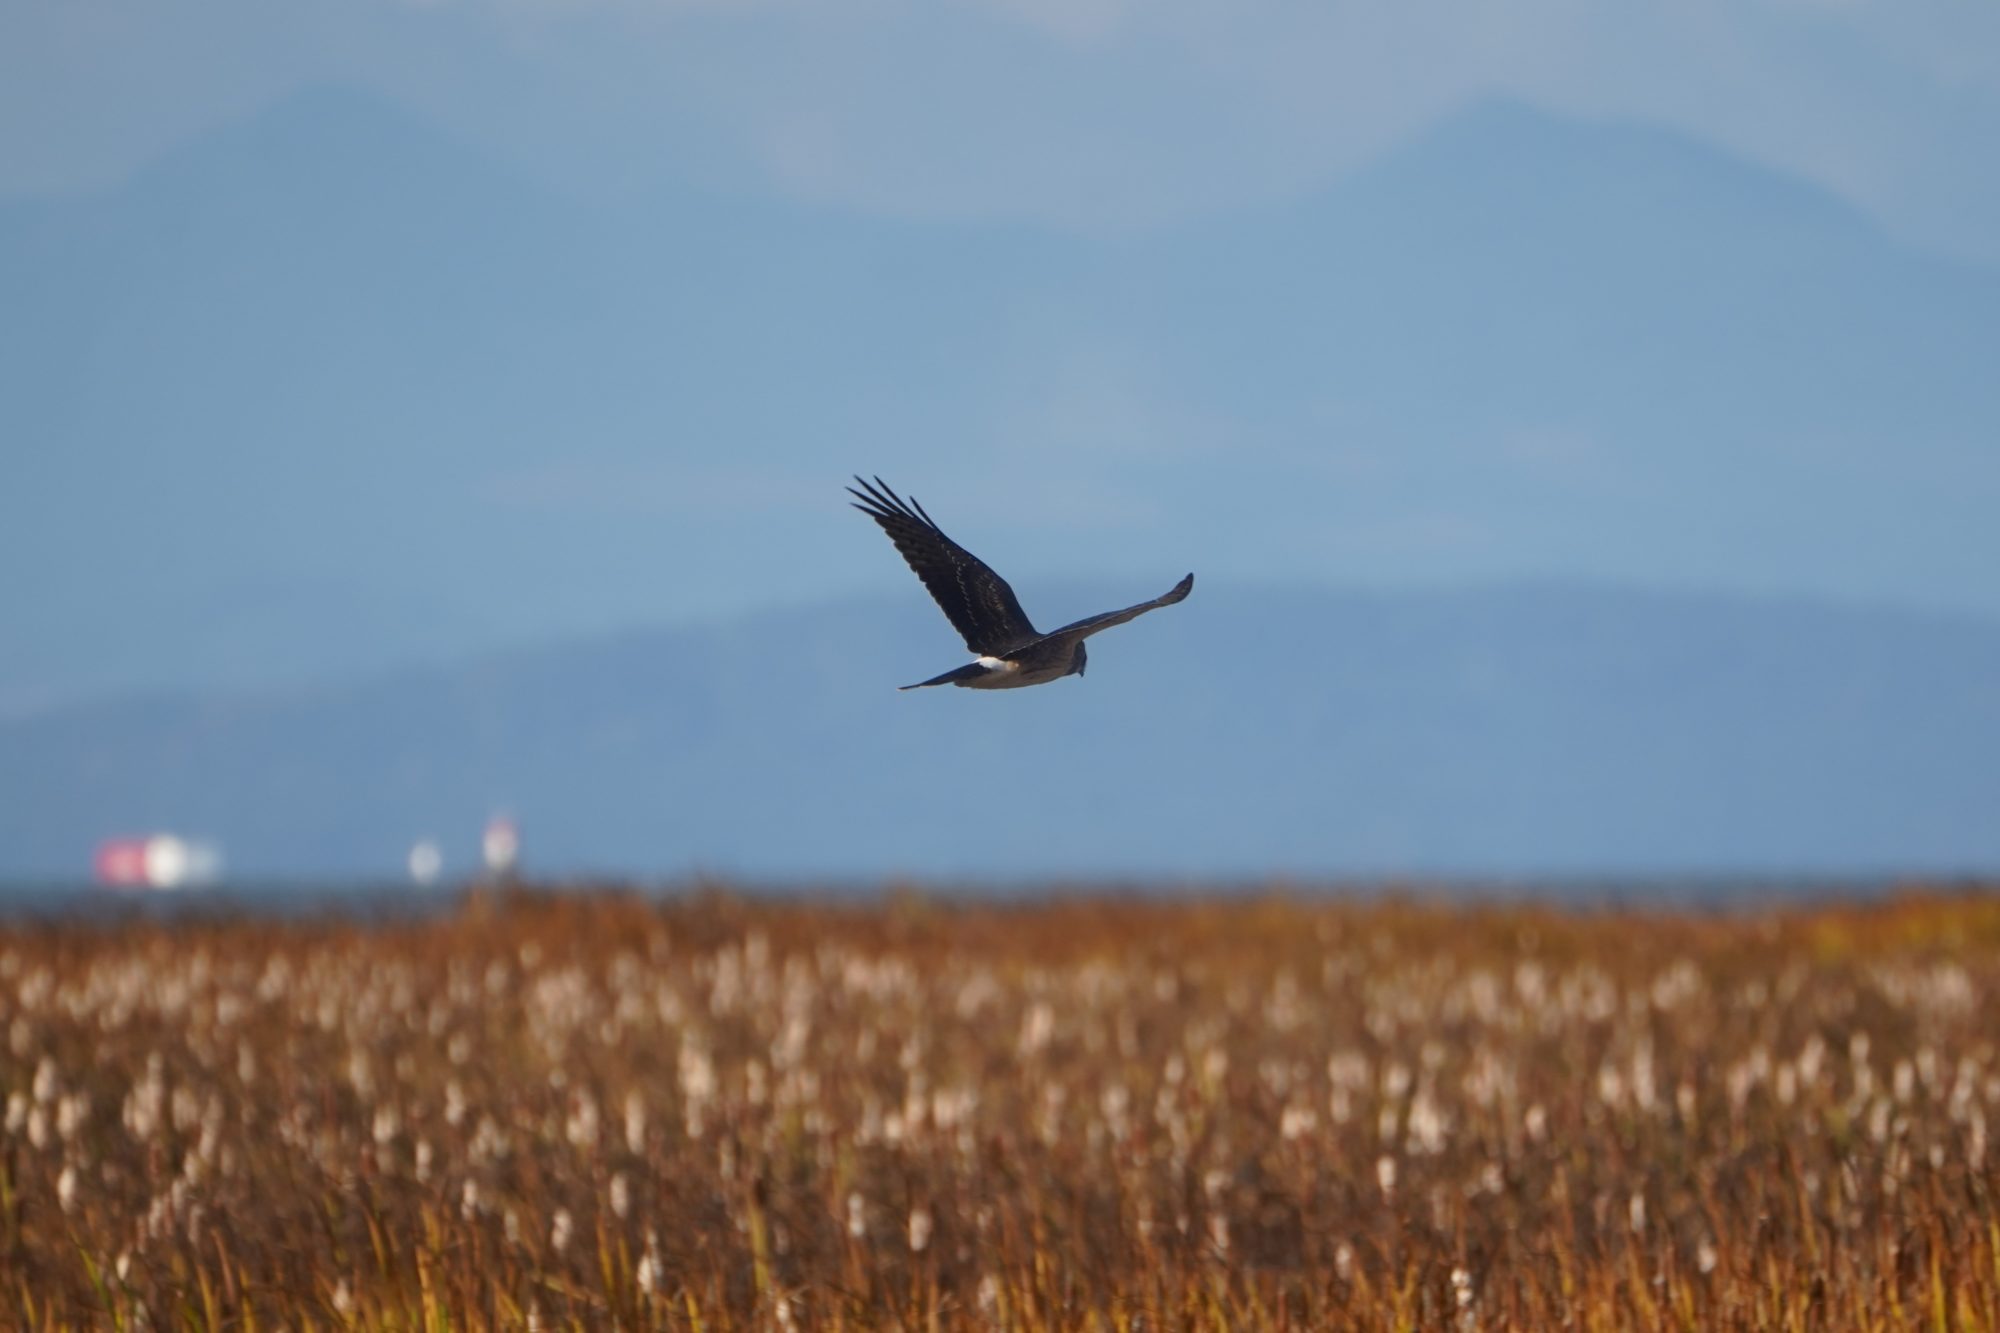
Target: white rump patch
999	664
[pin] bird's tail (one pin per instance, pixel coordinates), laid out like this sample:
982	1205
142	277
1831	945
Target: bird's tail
956	676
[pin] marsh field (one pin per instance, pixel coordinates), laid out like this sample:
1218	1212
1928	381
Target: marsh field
593	1110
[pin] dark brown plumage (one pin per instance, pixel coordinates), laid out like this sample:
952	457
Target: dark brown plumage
980	605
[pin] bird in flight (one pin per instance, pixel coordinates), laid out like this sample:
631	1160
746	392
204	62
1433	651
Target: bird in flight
981	606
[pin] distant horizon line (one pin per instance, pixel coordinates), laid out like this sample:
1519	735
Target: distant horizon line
37	897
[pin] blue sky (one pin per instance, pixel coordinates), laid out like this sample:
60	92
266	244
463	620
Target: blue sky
1076	113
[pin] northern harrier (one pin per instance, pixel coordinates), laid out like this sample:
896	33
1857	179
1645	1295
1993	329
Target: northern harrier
981	606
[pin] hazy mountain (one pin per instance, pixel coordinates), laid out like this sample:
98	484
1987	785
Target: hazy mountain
330	392
1250	730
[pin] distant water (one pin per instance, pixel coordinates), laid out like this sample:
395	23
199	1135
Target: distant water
366	900
90	903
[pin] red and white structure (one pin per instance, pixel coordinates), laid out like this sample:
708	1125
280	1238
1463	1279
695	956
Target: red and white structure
158	861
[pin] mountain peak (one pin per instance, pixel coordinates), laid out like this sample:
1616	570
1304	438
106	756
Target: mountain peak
1518	154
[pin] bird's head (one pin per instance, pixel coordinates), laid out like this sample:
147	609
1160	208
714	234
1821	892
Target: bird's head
1076	663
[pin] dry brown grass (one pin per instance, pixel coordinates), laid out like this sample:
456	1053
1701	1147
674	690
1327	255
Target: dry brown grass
715	1114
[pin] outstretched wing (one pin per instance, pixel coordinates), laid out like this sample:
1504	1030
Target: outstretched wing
1089	625
978	602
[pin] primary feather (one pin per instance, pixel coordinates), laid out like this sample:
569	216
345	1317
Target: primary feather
978	602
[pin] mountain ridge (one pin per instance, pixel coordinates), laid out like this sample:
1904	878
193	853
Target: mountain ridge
1249	732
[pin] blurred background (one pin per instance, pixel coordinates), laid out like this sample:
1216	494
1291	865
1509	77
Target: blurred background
423	426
